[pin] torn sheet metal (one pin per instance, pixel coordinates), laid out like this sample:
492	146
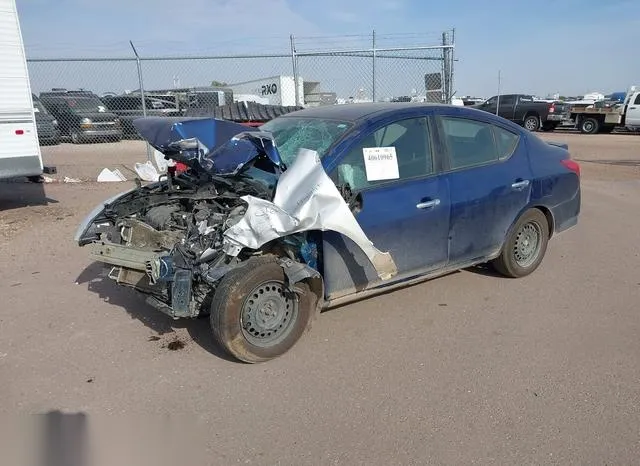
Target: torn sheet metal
305	199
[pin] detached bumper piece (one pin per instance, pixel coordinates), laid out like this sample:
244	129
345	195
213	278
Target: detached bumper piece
151	273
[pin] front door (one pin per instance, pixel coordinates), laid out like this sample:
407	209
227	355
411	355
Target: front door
399	201
633	112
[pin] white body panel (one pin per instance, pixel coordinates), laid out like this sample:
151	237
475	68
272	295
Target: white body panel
276	90
632	119
19	147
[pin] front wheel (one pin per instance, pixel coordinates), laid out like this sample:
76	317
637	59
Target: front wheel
75	137
256	315
525	246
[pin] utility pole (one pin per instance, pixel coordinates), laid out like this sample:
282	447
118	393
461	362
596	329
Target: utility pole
141	84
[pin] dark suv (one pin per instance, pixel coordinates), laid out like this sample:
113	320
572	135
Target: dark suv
129	108
46	124
82	116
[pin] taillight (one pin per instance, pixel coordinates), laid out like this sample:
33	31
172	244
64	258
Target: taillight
552	108
571	165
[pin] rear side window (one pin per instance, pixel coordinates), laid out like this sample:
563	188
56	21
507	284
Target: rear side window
473	143
506	142
637	101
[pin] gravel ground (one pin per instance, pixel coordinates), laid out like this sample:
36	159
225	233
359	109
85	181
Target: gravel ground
465	369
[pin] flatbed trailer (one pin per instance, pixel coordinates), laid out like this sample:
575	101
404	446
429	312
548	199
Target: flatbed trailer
602	118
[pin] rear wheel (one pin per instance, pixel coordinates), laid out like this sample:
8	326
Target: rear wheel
256	315
532	123
589	126
525	246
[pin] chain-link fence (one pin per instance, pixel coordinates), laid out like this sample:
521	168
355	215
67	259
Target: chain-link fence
97	98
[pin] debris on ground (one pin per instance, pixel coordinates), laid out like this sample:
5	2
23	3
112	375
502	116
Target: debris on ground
109	176
153	338
175	345
71	180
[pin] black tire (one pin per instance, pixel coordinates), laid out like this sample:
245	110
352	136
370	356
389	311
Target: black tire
513	261
532	123
589	126
548	127
258	284
76	138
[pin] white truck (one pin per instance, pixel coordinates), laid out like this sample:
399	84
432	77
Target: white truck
274	90
604	117
19	147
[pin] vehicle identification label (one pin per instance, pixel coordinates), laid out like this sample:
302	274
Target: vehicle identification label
380	163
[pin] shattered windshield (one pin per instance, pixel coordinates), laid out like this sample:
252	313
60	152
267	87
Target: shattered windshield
292	134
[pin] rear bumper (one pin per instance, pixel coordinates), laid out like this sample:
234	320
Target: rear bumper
566	215
555	117
90	134
48	135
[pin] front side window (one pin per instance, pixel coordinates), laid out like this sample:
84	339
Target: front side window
398	151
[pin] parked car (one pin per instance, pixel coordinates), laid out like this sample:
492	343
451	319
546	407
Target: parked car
82	116
47	125
261	233
525	110
129	108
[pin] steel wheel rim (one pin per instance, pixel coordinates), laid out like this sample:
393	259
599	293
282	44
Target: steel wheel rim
530	124
526	248
268	314
588	126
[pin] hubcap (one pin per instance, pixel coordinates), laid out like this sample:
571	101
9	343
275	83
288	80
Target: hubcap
268	314
527	245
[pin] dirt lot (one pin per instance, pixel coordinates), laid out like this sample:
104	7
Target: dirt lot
469	368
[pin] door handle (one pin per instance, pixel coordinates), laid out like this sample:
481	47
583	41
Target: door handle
520	184
632	108
428	204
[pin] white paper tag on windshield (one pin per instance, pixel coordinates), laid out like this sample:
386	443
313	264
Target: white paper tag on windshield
380	163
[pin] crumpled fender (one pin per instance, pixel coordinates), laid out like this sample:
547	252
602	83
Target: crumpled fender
305	199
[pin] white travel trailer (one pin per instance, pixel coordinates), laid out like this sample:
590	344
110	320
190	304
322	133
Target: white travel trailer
19	147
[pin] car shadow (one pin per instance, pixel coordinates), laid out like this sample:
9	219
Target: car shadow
15	194
95	277
484	269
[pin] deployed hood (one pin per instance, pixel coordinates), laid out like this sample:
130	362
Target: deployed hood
216	146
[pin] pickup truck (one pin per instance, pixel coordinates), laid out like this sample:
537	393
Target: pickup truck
525	110
605	116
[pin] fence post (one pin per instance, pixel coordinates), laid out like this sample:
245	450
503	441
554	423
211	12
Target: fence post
446	94
373	40
452	59
141	84
294	63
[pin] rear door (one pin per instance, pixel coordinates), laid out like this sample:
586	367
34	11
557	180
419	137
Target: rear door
490	181
633	111
506	106
402	206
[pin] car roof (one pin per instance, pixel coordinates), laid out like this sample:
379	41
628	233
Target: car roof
358	111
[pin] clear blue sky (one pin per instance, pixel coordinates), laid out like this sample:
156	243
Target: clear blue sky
540	47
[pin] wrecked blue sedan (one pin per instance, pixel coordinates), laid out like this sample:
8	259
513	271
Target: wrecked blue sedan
327	205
